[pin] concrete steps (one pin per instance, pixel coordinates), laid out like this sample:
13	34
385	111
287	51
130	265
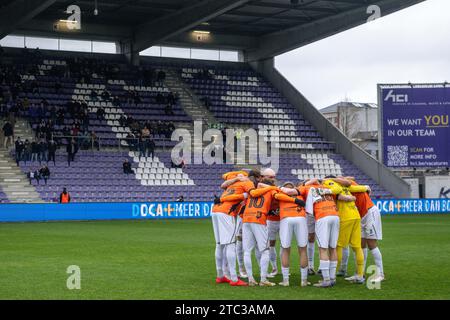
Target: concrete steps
191	105
23	130
13	181
189	101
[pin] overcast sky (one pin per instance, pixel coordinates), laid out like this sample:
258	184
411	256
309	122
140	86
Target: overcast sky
409	45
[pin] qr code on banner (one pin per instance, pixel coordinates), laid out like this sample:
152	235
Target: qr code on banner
397	156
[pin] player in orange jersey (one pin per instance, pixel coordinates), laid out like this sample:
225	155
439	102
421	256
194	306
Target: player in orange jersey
293	222
231	178
320	201
273	225
254	230
225	228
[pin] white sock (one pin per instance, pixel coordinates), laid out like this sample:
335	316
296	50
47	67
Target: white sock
344	262
285	273
378	260
240	255
226	271
365	251
311	248
231	258
304	273
258	256
325	267
273	257
264	264
219	258
248	264
333	266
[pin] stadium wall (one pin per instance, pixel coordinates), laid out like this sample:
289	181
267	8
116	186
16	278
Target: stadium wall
352	152
174	210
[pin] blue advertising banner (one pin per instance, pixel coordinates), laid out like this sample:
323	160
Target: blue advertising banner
413	206
104	211
415	126
174	210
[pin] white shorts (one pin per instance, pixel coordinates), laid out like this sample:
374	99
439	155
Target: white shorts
327	231
255	234
273	228
293	225
225	228
239	226
371	225
311	222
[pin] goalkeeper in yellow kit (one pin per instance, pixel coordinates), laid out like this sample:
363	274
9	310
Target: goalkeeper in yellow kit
349	227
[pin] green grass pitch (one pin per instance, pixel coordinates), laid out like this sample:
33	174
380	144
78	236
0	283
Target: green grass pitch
175	260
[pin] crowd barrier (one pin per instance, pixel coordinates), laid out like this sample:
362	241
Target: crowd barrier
174	210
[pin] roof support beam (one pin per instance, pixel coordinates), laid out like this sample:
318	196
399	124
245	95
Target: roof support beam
182	20
20	11
280	42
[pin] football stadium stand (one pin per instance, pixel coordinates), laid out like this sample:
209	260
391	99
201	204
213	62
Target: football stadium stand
57	93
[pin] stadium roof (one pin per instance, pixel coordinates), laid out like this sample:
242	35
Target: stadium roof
260	28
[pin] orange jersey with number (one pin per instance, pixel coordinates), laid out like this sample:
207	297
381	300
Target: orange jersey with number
290	209
229	207
363	201
256	209
322	208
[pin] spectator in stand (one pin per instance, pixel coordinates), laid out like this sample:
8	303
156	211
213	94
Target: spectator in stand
72	149
52	151
141	146
94	95
159	98
19	149
60	117
132	141
161	77
44	173
85	120
145	133
30	176
8	133
169	110
26	151
66	132
171	98
34	175
34	151
75	129
178	163
84	140
206	102
123	121
105	95
100	113
64	197
180	199
170	128
151	147
127	167
53	114
43	149
94	141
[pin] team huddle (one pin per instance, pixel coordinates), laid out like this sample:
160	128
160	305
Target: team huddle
253	212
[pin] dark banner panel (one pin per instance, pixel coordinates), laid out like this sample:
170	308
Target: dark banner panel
415	126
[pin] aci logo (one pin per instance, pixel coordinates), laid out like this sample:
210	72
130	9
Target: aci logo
396	97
